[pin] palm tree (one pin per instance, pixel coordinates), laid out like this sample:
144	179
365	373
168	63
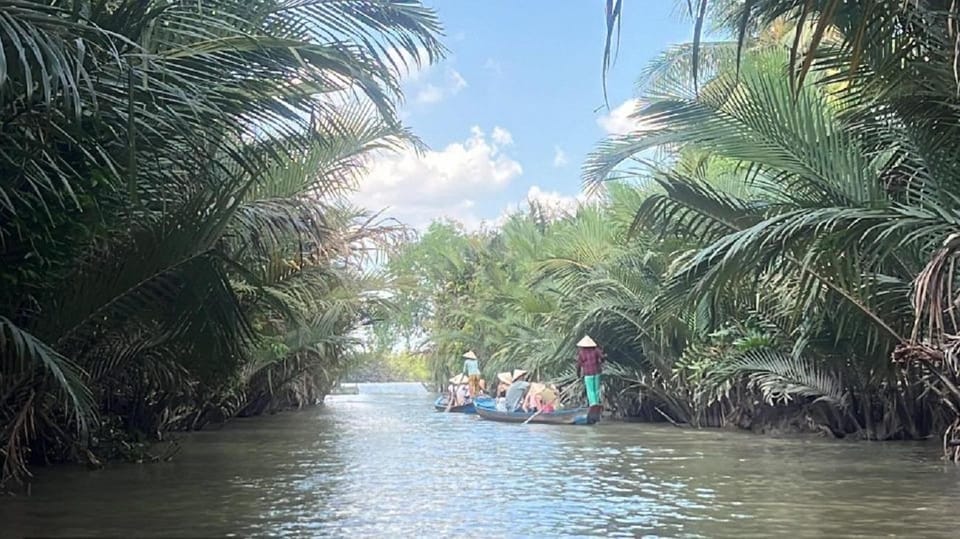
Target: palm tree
521	295
853	198
157	158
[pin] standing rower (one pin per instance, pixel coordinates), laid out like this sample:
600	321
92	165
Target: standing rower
471	367
589	365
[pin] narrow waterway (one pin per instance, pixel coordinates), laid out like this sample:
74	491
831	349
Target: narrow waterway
383	463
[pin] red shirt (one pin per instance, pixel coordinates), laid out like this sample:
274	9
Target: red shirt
589	360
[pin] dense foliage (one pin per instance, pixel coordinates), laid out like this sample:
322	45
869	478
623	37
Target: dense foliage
386	366
174	244
781	247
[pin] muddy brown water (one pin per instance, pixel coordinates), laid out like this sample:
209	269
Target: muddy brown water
383	463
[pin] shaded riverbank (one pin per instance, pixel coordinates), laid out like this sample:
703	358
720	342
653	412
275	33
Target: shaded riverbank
382	462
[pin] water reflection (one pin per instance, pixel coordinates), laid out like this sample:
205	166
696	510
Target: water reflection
383	463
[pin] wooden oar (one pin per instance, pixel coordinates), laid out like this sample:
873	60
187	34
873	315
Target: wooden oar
533	416
538	412
450	399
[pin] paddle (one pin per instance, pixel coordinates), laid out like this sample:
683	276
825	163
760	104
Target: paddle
449	403
453	397
533	416
450	398
538	412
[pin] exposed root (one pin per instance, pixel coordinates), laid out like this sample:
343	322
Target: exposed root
951	442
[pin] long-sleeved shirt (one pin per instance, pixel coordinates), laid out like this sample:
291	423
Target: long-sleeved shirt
589	361
515	395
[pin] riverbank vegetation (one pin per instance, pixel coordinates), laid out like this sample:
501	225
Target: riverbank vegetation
385	366
773	246
175	245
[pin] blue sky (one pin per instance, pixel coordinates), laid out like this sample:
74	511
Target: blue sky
516	106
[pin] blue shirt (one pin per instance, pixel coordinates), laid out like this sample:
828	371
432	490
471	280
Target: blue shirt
515	394
471	366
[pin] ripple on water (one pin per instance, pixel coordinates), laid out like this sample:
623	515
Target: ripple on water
381	464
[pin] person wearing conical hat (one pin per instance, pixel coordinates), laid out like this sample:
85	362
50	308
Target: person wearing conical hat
517	390
457	392
541	398
471	368
533	402
589	366
504	380
548	400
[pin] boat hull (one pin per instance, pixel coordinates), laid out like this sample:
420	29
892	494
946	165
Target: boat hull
440	405
575	416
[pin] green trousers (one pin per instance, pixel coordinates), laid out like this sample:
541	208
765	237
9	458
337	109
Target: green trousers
592	383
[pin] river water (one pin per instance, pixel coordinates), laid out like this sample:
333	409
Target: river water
383	463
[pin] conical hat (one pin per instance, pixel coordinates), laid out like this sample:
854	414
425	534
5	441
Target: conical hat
470	355
459	379
517	373
586	342
536	388
505	377
548	395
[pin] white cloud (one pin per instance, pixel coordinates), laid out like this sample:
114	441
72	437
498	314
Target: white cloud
418	188
429	94
559	157
493	66
457	82
619	121
432	93
428	83
501	136
553	201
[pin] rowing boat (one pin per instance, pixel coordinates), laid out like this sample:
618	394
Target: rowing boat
574	416
440	405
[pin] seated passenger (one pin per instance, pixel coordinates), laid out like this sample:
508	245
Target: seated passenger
451	393
455	389
533	403
504	379
548	399
517	390
463	394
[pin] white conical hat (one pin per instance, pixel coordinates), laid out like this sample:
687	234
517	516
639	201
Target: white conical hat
459	379
470	355
518	372
505	377
586	342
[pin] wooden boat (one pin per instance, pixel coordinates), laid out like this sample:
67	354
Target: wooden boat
574	416
440	405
